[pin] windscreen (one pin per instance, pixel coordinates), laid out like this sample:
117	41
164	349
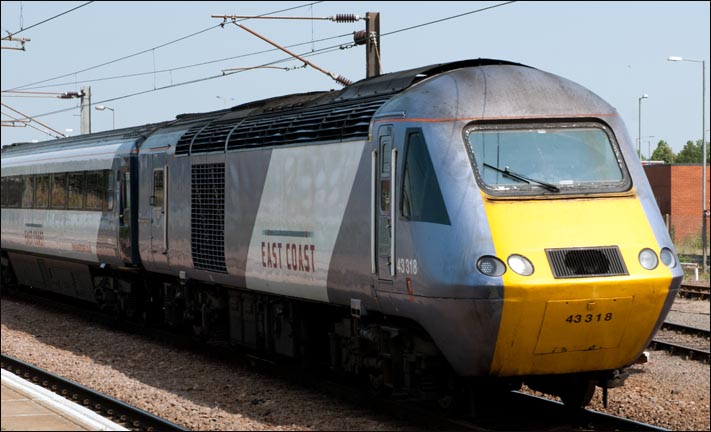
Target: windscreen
534	159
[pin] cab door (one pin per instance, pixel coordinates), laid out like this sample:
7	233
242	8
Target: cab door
158	202
384	191
127	211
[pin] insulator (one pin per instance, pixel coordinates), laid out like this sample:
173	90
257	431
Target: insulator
343	80
342	18
360	37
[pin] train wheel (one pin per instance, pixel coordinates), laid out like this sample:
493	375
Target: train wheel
578	394
485	398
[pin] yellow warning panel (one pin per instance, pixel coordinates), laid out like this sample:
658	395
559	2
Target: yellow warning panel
583	325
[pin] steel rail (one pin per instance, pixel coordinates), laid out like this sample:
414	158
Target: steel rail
586	418
694	291
120	412
681	350
695	331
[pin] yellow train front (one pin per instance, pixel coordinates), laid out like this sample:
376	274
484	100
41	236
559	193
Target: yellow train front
530	246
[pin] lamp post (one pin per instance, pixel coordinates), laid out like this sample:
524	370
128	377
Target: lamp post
649	146
639	135
703	154
113	114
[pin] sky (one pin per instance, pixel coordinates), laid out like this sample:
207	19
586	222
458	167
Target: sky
150	61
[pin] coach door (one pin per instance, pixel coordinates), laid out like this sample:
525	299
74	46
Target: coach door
159	209
384	165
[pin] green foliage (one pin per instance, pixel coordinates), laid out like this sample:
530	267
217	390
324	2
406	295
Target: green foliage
663	152
691	153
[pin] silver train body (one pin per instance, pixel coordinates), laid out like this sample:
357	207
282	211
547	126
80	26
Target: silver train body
391	201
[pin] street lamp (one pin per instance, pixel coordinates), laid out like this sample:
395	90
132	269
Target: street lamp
703	154
113	114
639	135
649	146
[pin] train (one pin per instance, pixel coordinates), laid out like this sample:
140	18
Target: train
457	228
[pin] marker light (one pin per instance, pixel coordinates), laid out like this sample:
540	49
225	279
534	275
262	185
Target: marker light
648	259
667	257
491	266
520	264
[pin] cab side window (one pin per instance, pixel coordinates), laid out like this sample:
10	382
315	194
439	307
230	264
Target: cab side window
158	189
421	196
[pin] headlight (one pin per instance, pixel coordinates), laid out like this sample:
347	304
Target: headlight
520	265
648	259
667	257
491	266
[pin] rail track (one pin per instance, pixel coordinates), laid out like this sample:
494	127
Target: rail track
695	331
681	350
119	412
697	291
533	413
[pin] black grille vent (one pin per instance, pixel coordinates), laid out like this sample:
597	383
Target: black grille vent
343	121
320	123
183	146
208	217
585	262
212	137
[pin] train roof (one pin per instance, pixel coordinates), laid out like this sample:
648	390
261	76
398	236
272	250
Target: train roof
349	109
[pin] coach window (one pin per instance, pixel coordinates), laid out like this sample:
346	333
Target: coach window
75	189
94	190
11	191
59	191
421	196
28	191
41	191
158	188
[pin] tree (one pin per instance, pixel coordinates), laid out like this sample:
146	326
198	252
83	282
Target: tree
663	152
691	153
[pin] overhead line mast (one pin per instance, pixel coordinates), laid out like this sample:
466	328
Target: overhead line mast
370	37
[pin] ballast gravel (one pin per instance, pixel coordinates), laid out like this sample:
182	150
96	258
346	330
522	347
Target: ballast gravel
202	395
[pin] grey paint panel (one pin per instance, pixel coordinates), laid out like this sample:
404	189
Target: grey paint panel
349	271
464	330
245	175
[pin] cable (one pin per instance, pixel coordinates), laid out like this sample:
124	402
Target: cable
309	54
42	22
181	67
149	49
445	19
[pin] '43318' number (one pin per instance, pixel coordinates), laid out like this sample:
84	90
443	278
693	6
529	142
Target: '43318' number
588	318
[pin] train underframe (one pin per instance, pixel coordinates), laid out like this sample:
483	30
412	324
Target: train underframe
393	356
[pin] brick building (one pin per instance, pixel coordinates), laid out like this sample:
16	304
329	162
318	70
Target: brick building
677	188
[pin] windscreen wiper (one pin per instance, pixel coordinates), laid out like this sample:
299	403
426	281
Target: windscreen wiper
516	176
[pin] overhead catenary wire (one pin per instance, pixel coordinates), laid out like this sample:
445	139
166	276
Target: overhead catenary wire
31	119
194	81
10	35
24	123
149	49
446	18
313	53
33	87
132	75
